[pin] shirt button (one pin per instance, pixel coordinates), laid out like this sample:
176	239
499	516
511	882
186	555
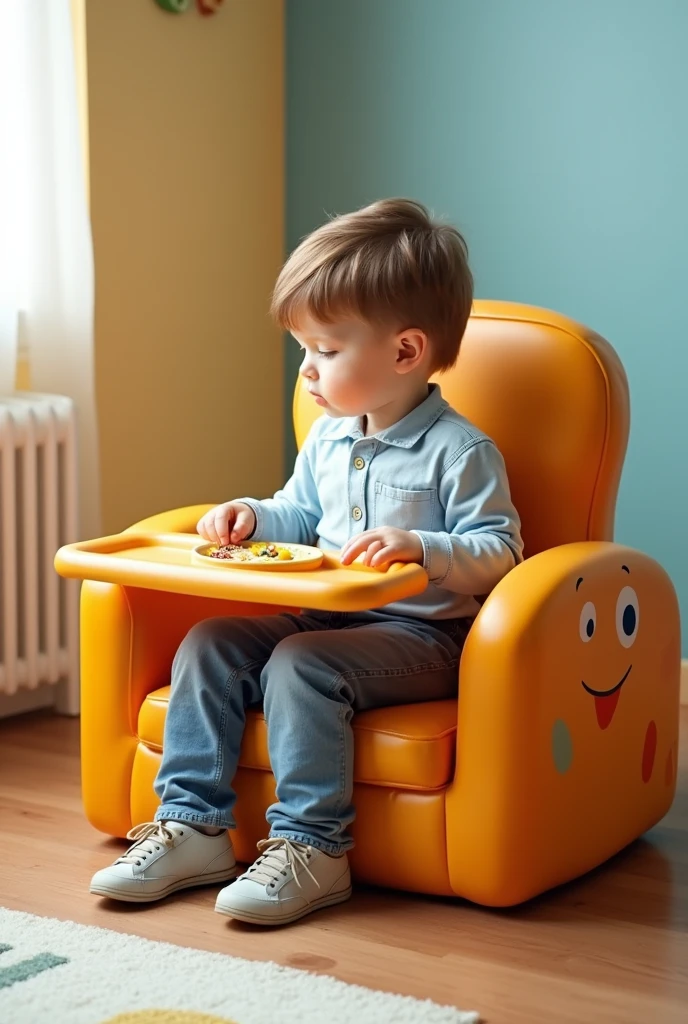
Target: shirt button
359	463
356	512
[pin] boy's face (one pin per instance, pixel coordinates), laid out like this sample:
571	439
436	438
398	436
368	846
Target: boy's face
350	367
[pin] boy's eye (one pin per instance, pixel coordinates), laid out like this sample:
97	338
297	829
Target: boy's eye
325	355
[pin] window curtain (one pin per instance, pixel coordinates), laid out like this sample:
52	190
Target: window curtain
46	256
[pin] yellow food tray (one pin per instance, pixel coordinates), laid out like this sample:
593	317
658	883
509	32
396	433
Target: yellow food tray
163	561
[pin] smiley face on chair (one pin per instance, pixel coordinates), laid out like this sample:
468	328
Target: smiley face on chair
624	630
610	657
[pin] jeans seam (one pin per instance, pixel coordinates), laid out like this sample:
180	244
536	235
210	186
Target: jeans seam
342	759
167	812
332	690
392	673
221	732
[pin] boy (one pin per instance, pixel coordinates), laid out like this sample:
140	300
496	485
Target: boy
378	300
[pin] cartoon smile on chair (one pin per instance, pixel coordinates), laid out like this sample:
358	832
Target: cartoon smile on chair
613	716
627	619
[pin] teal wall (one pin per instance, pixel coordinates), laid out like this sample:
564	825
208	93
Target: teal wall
554	133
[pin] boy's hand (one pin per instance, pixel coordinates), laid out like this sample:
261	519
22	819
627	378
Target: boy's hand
384	544
232	522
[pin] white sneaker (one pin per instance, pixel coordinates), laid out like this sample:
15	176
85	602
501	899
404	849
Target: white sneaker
165	857
287	882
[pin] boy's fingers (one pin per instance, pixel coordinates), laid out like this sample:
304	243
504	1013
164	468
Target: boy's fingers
221	524
350	551
372	550
206	529
383	555
353	548
242	525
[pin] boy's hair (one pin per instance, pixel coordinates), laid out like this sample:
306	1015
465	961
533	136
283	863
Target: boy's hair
388	263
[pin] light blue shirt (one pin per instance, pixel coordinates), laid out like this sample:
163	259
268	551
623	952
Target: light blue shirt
432	473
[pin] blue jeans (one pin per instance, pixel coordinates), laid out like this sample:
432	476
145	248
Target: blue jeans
311	671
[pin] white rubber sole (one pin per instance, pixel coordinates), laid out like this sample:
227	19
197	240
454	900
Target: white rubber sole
271	919
150	897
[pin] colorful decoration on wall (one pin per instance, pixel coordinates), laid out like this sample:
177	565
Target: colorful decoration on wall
204	7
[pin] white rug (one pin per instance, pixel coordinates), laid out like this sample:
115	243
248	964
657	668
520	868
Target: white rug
58	972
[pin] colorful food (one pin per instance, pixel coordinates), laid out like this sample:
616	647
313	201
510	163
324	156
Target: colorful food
259	552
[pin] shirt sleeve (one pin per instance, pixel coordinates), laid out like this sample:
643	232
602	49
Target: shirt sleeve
294	512
482	539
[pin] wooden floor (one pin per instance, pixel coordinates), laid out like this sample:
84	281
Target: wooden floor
611	948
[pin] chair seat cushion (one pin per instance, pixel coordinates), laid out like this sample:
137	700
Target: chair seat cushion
410	746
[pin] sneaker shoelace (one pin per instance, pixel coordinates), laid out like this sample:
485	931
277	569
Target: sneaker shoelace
281	856
148	838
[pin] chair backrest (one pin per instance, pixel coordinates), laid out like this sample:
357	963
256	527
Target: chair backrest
554	397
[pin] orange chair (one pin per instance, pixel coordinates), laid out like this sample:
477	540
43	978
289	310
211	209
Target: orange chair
563	746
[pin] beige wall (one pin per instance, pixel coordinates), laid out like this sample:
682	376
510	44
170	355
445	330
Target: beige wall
186	176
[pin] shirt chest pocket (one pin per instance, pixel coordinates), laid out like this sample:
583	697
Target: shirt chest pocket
408	510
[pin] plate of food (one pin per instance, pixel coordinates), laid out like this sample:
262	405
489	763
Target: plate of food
259	555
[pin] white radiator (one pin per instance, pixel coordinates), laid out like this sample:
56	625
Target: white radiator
38	513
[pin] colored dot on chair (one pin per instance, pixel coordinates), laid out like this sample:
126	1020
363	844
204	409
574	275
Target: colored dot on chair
562	746
649	750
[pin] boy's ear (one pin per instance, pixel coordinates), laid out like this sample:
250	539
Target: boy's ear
412	345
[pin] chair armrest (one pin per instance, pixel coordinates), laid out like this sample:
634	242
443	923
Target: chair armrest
177	520
568	720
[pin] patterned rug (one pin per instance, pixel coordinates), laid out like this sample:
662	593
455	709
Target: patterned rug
58	972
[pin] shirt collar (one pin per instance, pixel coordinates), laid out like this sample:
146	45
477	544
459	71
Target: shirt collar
405	432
